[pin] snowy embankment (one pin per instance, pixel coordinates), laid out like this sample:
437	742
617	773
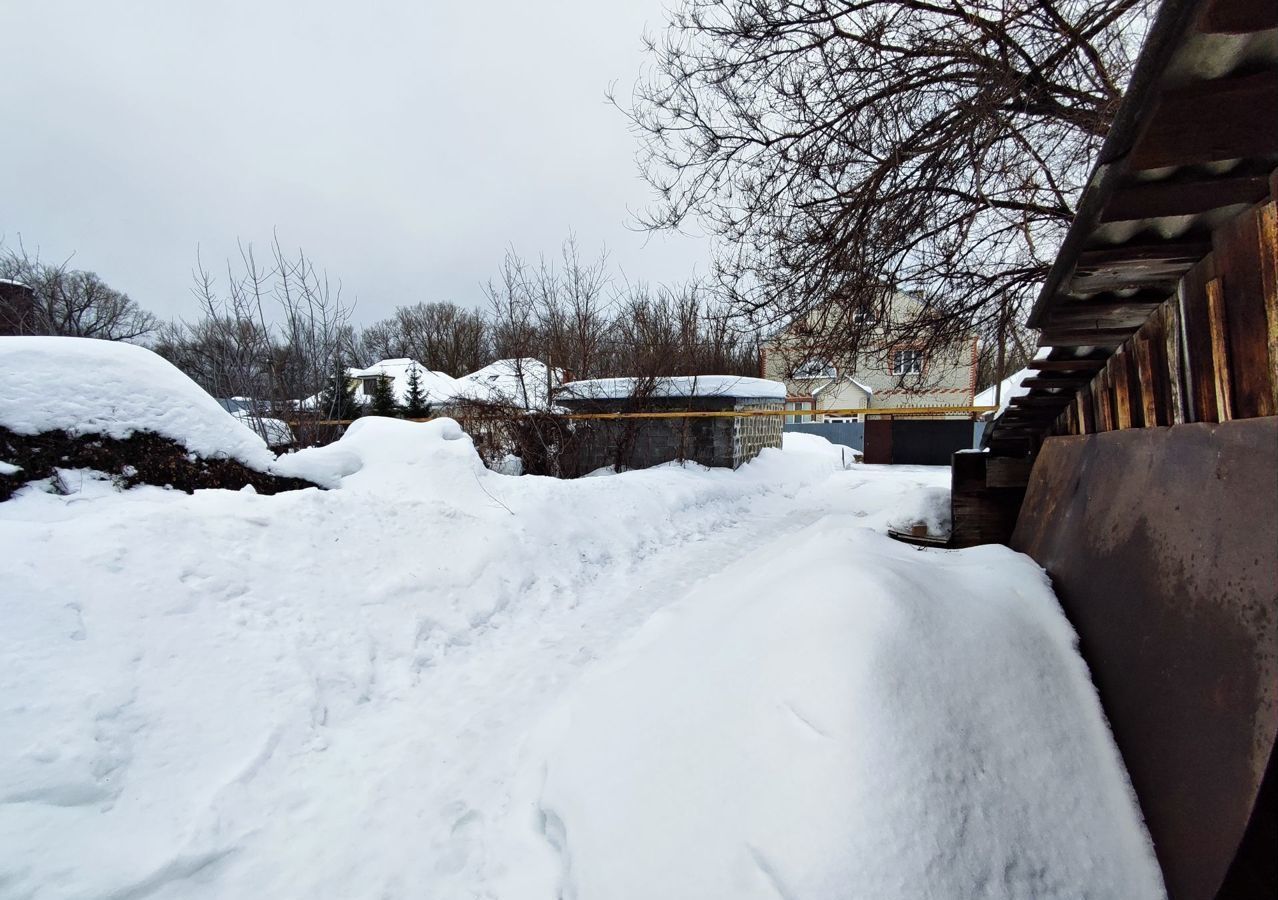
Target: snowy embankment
114	389
440	681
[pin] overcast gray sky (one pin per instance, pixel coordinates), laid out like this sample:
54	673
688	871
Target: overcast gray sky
403	144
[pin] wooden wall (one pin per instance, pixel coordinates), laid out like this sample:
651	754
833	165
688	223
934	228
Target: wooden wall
1208	354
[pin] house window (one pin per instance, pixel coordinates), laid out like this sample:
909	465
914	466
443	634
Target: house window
798	405
370	387
816	368
907	362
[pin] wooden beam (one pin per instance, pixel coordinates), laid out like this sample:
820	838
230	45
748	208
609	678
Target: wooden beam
1208	121
1052	400
1183	197
1135	265
1096	337
1066	365
1148	387
1104	401
1115	314
1122	390
1172	350
1219	350
1082	399
1058	382
1269	284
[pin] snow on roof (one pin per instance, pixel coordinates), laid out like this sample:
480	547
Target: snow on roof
518	381
275	431
11	281
735	386
439	387
87	386
1011	388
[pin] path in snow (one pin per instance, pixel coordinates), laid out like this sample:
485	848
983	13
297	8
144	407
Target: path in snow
390	689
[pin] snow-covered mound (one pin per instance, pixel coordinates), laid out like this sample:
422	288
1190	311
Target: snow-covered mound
895	728
440	681
734	386
85	386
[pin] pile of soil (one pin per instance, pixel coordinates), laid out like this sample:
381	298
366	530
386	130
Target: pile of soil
142	458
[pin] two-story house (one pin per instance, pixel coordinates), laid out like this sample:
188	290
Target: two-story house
888	371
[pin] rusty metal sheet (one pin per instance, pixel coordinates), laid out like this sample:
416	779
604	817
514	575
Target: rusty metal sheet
1162	544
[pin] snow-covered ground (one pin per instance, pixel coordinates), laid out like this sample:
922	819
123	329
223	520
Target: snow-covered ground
438	681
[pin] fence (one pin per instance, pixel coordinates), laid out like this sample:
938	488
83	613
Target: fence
928	442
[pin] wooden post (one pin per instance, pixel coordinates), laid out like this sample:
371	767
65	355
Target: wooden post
1219	350
1148	387
1080	414
1122	391
1269	286
1104	404
1171	338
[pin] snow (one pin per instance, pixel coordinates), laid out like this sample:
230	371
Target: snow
519	382
8	468
897	728
87	386
1011	388
275	432
734	386
440	681
930	507
438	387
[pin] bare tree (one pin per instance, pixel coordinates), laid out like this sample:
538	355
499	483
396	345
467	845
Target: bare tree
843	151
273	332
73	303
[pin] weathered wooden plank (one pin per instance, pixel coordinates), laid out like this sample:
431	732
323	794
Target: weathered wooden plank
1219	350
1104	400
1098	337
1239	251
1269	287
1117	370
1052	400
1183	197
1196	337
1086	414
1135	265
1172	359
1207	121
1067	365
1111	314
1148	384
1062	382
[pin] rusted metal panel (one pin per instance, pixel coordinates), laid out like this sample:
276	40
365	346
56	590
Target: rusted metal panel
1161	545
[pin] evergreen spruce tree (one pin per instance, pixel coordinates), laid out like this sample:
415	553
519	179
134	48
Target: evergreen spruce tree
384	398
415	405
337	400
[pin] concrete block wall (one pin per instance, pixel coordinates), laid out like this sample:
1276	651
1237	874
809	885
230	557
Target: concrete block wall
718	442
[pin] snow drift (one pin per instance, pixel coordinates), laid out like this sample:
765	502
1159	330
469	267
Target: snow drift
85	386
440	681
122	409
